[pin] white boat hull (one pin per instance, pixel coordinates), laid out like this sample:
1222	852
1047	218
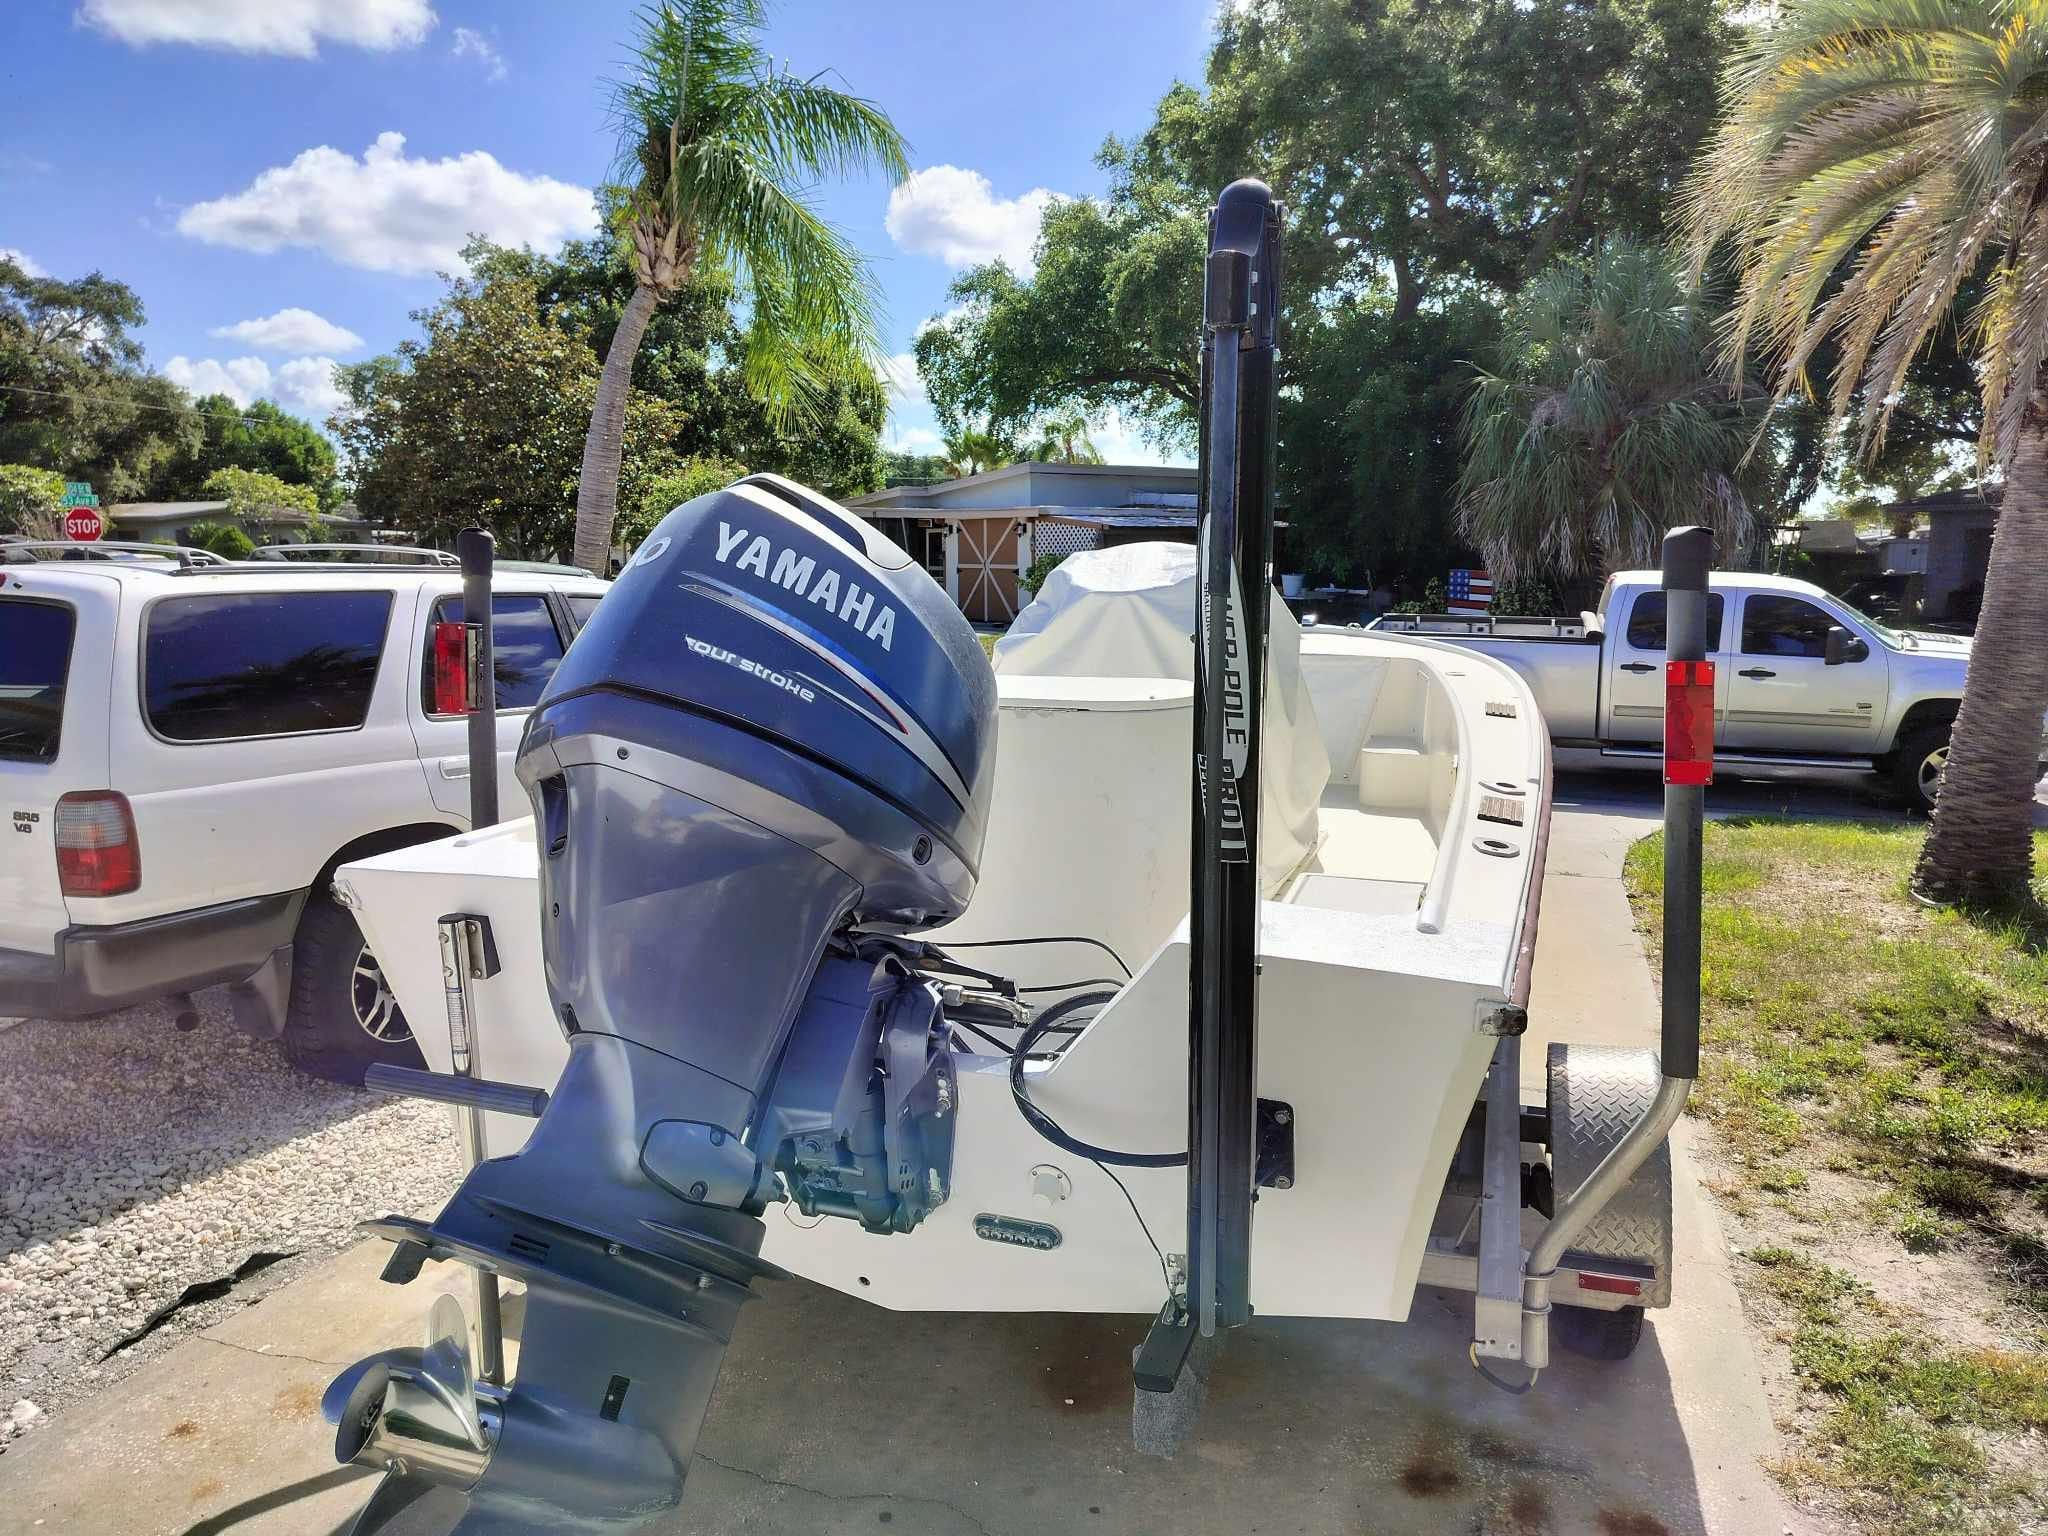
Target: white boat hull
1383	951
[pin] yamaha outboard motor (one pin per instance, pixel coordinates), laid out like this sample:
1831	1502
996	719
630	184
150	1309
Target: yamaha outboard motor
766	756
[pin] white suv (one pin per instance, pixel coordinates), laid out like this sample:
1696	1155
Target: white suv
188	749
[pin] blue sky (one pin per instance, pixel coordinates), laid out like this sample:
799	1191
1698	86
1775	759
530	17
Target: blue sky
278	179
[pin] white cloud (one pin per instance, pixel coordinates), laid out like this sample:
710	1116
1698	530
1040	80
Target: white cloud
295	27
306	385
20	259
944	317
470	43
954	214
390	213
900	374
914	440
1120	442
295	332
241	379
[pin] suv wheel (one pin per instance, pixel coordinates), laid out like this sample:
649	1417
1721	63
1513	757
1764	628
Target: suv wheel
343	1015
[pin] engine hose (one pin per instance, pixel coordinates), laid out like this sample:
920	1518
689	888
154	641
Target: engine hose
1050	1128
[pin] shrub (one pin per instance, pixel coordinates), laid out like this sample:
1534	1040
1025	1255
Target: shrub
1034	576
251	493
31	501
664	493
223	539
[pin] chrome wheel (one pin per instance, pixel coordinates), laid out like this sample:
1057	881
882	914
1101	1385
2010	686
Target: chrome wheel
1931	767
374	1004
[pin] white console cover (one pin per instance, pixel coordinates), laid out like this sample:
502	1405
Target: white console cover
1130	612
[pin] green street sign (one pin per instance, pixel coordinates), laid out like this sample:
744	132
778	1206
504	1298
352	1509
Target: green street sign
78	493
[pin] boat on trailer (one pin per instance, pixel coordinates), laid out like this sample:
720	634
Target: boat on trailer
833	951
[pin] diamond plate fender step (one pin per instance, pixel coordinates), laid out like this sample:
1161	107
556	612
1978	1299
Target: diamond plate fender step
1597	1093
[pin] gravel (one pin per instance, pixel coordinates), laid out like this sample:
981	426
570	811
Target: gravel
136	1161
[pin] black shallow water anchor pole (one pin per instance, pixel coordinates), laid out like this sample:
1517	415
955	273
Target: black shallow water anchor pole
1234	537
1688	769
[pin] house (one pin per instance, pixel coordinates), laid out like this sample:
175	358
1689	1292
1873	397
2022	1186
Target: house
978	534
1960	525
161	522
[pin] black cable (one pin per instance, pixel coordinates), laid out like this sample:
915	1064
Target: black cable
1060	939
138	405
1164	1273
1007	1050
1050	1128
1067	986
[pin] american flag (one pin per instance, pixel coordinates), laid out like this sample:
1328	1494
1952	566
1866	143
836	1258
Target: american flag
1471	591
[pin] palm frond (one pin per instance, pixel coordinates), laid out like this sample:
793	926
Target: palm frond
1873	155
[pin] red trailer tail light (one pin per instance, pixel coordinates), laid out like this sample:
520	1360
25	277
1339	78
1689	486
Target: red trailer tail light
1688	722
97	853
1617	1285
451	668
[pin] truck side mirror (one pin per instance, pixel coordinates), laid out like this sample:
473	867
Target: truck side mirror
1843	646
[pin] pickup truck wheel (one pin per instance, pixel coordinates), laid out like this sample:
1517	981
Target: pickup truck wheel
1598	1335
1917	766
343	1015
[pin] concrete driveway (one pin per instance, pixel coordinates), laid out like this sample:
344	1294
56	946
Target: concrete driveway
833	1416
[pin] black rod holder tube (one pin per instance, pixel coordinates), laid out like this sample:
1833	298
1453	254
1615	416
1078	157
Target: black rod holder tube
1688	555
474	550
1234	537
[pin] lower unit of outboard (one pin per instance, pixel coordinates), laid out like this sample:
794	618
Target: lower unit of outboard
765	758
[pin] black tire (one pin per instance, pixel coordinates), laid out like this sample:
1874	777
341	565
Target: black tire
1598	1335
323	1034
1916	764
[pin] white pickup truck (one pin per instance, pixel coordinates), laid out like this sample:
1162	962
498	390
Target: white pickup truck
1802	680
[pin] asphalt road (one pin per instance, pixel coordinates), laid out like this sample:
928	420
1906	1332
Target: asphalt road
1846	797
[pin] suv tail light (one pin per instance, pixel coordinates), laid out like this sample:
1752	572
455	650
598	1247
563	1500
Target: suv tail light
97	854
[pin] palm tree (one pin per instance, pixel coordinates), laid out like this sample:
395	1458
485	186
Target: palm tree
969	452
1606	424
1875	156
716	147
1063	439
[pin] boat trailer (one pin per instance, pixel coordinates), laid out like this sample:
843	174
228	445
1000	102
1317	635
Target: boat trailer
760	780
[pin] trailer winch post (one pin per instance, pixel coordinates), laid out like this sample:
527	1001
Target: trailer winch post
1688	769
467	953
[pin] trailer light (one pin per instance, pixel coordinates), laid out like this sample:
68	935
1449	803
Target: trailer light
1617	1284
451	668
97	852
1688	722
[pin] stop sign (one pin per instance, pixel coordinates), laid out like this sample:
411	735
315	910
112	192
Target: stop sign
83	524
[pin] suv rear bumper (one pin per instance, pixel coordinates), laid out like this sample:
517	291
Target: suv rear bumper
96	970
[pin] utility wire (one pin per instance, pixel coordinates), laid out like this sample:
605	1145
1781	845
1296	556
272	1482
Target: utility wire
137	405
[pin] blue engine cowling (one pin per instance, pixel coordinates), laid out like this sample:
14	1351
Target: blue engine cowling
770	611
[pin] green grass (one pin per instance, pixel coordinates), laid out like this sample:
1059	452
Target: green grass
1899	1433
1846	1028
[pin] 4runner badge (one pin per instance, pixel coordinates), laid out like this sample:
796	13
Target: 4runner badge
1017	1232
